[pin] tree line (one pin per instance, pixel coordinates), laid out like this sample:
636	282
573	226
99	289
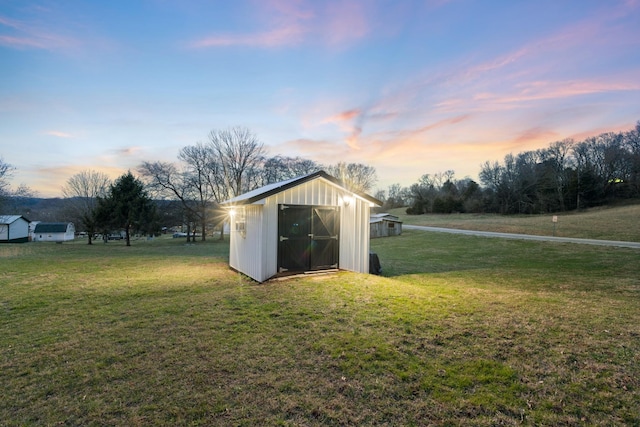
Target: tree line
567	175
190	190
564	176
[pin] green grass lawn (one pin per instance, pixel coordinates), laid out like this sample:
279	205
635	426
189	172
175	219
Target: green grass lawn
606	223
459	331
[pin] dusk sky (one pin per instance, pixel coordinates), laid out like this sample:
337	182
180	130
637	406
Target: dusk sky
409	87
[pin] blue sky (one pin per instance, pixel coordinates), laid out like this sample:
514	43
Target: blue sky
409	87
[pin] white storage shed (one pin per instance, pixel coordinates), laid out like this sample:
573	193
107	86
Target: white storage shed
14	229
309	223
54	232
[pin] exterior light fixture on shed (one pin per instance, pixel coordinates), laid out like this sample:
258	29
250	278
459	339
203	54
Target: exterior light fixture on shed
347	200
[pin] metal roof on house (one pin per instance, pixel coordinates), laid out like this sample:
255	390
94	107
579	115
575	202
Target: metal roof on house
278	187
10	219
51	227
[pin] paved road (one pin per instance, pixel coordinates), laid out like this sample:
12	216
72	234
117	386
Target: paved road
635	245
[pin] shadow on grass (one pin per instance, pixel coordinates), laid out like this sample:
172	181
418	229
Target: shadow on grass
441	253
545	263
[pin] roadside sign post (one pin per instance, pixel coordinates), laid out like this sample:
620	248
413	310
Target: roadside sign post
555	221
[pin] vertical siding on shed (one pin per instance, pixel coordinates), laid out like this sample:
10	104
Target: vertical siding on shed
354	242
246	251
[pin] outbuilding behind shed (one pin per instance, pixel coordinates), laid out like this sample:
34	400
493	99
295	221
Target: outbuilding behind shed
14	229
384	225
53	232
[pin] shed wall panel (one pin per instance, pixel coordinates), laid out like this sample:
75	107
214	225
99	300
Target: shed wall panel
16	231
19	229
245	255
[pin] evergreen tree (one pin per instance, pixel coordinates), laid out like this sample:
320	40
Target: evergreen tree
127	206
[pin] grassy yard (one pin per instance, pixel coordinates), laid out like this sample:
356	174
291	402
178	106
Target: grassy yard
607	223
459	331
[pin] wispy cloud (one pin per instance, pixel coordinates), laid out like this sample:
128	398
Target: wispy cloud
58	134
344	22
321	150
350	123
283	36
527	92
125	151
288	23
343	116
537	135
31	35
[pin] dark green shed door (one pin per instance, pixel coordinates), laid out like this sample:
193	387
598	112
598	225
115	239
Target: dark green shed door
308	238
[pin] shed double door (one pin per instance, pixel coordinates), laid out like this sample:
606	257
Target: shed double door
308	237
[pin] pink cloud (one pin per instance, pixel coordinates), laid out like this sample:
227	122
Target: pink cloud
445	122
345	22
345	120
344	116
544	90
536	137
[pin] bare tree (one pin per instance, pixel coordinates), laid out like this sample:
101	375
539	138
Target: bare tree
396	197
239	153
203	176
165	181
632	143
280	168
83	190
8	194
559	159
355	176
197	182
6	170
5	173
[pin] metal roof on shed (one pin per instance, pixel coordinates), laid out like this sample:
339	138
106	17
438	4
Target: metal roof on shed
271	189
10	219
51	227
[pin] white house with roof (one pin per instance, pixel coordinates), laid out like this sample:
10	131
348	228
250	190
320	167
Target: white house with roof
309	223
14	229
53	232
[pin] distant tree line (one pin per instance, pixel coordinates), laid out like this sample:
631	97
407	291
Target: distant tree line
566	175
